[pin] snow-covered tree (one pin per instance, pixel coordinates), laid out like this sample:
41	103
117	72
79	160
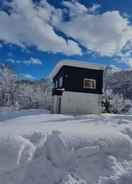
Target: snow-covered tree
20	93
31	94
116	103
7	85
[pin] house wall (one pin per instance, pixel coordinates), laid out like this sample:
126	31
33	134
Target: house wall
73	79
79	103
54	104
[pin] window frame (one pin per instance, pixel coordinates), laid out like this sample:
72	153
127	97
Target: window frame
93	83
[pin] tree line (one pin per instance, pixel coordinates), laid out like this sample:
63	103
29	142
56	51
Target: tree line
21	93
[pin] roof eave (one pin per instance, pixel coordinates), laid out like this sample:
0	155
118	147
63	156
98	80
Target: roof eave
74	64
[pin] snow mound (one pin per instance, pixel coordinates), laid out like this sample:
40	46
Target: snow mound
85	164
72	179
68	153
14	151
122	174
35	137
110	140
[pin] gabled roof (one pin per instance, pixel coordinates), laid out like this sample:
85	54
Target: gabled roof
74	63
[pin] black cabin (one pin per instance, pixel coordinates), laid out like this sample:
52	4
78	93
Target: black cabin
78	79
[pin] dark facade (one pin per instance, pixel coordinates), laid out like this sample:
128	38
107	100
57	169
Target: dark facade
71	78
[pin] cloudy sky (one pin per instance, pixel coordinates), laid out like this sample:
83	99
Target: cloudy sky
36	34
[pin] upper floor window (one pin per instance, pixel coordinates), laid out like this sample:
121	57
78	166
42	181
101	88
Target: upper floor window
89	83
60	82
55	83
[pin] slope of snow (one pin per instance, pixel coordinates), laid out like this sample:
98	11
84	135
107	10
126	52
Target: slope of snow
8	113
63	149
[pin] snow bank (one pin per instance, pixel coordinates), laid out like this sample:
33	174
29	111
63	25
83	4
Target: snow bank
14	151
73	179
8	113
109	139
122	174
89	160
69	151
82	163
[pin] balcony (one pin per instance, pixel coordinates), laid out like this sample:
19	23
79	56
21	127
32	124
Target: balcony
57	91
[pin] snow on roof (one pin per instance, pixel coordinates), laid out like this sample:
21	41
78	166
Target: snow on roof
74	63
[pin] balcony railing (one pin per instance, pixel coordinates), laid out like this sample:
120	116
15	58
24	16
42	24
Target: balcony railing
57	91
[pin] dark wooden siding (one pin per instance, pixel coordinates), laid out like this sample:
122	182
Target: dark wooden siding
73	79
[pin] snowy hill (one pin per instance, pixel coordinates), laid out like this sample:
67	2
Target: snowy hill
120	82
50	148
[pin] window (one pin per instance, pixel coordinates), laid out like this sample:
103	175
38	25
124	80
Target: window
89	83
60	82
55	83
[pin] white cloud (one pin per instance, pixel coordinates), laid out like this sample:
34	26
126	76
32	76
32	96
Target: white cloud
35	61
125	56
78	9
94	8
105	33
75	8
29	26
129	62
114	68
28	76
31	61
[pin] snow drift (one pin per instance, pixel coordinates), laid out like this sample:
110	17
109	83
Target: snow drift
101	154
14	151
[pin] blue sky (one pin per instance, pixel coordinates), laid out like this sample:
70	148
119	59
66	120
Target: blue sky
36	34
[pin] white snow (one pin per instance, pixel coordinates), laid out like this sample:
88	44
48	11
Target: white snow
41	148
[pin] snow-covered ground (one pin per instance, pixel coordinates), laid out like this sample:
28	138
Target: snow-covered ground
41	148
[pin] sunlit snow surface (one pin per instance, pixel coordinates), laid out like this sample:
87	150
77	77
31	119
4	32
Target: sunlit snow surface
41	148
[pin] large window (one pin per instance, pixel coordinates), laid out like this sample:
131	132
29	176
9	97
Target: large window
89	83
